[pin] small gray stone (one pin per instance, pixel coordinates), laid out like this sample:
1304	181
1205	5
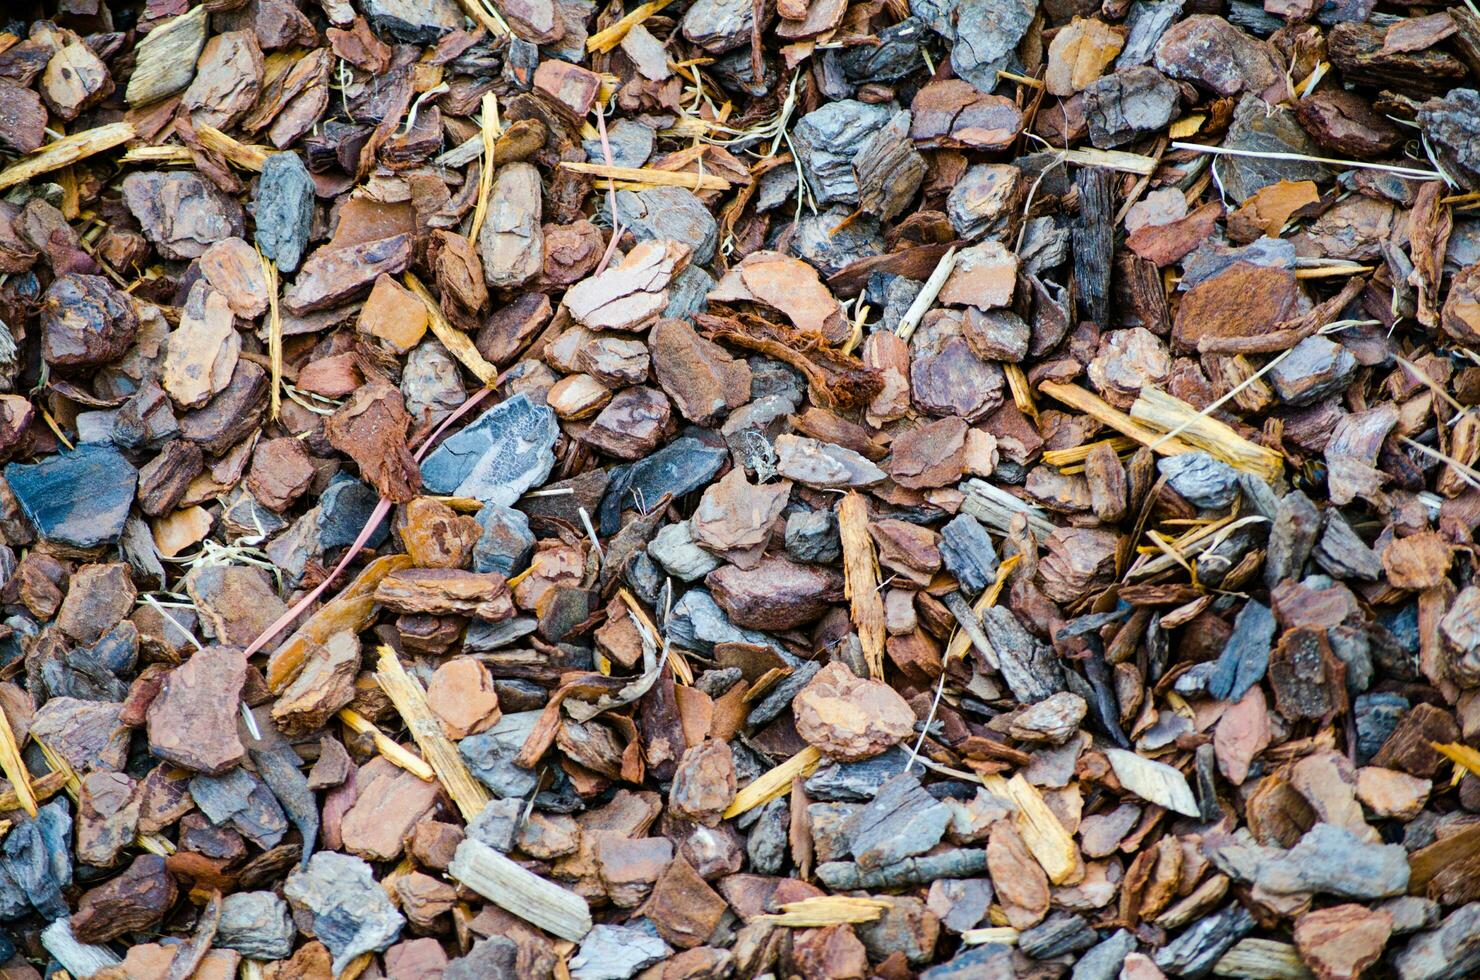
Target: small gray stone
414	21
968	553
79	498
976	962
987	38
343	510
1316	367
506	544
1104	961
902	820
1121	106
1450	952
673	213
1291	536
494	958
1145	24
961	903
826	141
242	800
829	241
696	622
900	929
490	755
284	215
1245	656
430	382
1200	479
482	637
855	782
1060	933
509	449
1332	860
257	925
1193	953
812	536
631	143
1411	913
350	912
618	952
824	465
674	549
1343	554
767	845
685	464
1257	129
779	698
497	823
1377	716
688	293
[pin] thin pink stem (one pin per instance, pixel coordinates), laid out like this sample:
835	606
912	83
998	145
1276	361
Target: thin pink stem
611	191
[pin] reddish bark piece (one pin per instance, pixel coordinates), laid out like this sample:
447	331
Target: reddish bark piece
436	536
683	906
1166	243
631	295
735	517
703	380
393	314
1419	561
391	803
336	274
447	591
98	598
953	114
985	276
281	471
1022	886
776	594
371	428
571	84
789	285
1243	301
192	723
930	455
462	696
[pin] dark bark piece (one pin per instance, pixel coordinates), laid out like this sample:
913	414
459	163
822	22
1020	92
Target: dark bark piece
22	118
1094	243
86	322
1357	50
1343	122
232	415
131	902
1309	681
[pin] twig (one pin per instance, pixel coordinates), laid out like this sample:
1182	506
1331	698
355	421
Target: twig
927	294
386	746
1411	172
410	701
274	335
